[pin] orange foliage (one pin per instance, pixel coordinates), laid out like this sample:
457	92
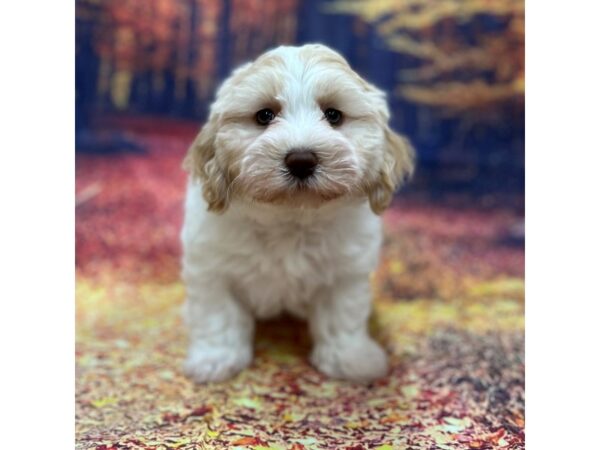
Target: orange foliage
133	37
434	33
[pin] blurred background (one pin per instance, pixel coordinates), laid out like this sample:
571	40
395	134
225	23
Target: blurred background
454	72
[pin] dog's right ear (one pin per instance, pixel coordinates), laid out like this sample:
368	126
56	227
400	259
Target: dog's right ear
201	164
398	166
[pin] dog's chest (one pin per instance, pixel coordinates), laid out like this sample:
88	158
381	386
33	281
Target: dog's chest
286	268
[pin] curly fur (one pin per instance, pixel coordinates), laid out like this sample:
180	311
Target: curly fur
257	242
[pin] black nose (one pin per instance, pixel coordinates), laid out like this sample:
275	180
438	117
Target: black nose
301	163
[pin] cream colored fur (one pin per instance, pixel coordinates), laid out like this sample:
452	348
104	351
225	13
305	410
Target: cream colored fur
257	243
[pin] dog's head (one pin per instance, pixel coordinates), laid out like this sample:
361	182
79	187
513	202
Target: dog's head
299	126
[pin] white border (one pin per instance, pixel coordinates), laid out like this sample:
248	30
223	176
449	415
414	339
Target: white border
37	234
562	225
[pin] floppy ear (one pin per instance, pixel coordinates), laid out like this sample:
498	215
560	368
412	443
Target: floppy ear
398	165
201	164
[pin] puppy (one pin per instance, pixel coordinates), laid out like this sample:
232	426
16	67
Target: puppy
287	179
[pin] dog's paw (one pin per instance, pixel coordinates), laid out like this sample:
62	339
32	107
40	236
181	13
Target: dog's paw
358	359
205	364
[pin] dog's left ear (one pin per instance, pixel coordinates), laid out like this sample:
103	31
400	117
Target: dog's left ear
398	166
201	164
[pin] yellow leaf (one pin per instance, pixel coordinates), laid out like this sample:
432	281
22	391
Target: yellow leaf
396	267
102	402
252	403
410	391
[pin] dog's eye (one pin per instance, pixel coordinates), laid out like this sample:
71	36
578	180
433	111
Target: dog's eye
264	116
333	116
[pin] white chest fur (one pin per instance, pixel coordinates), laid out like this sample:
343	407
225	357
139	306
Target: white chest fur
274	260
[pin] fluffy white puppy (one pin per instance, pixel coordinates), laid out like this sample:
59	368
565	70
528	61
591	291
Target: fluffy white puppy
288	177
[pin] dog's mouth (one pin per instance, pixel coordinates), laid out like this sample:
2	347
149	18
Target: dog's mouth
307	193
279	185
304	190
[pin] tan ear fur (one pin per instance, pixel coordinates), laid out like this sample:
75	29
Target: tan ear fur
398	166
201	163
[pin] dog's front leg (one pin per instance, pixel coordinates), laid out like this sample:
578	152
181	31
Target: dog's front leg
220	332
339	326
